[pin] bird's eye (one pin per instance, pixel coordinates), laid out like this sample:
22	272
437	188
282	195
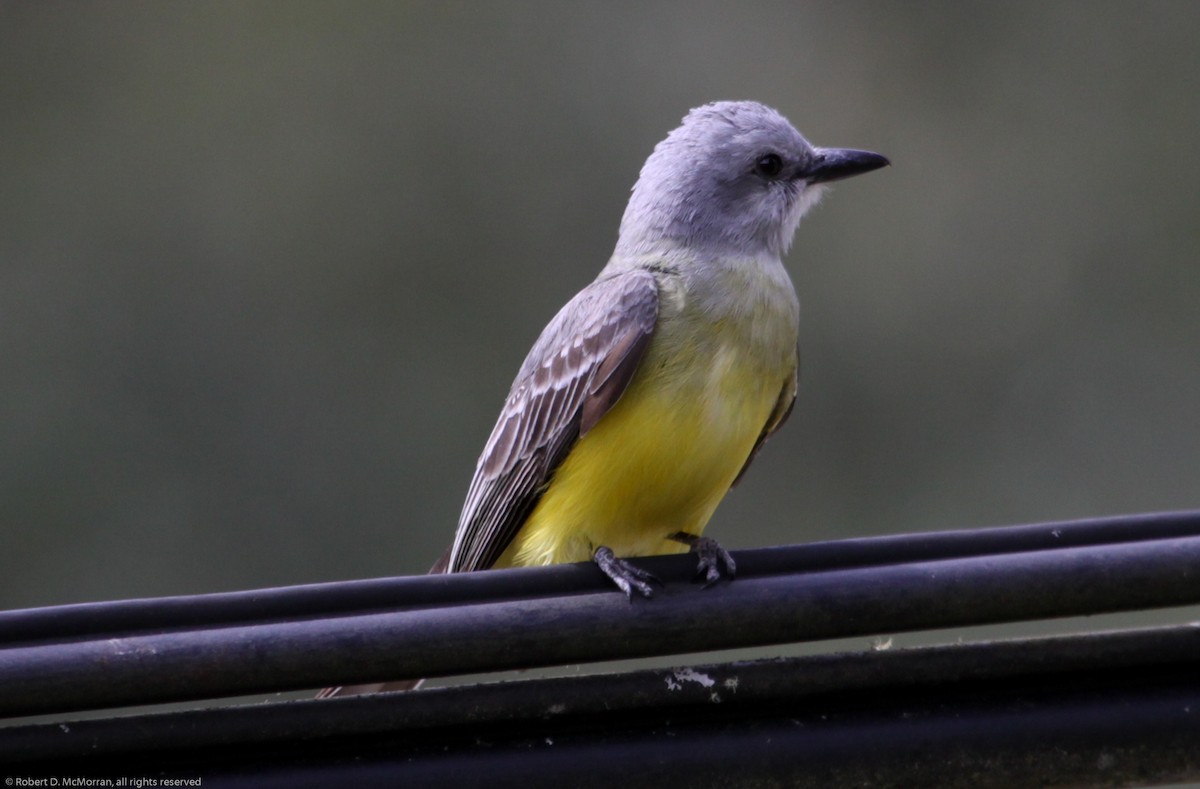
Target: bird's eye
768	165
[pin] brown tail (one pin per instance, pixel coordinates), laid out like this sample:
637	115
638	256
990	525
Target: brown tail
439	567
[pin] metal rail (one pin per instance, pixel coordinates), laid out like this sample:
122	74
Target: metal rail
1110	709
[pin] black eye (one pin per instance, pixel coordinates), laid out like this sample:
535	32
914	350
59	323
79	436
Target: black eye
768	165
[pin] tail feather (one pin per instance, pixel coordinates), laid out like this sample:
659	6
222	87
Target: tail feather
440	566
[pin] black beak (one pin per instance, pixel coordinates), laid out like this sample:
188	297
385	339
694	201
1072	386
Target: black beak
834	164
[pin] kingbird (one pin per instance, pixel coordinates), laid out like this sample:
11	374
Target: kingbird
648	395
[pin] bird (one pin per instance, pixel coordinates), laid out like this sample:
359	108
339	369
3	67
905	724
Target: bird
649	394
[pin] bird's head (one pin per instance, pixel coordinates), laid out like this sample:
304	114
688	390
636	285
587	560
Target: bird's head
734	178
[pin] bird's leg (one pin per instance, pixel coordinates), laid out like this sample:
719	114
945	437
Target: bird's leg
627	577
715	561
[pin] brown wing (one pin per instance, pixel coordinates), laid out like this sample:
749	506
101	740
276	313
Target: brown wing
575	372
779	415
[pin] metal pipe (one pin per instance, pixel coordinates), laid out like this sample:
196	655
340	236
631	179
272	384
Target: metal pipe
1099	709
126	617
515	633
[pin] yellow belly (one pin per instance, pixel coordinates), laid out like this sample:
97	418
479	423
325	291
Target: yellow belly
659	462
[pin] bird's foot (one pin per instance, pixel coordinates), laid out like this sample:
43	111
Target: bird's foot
714	562
627	577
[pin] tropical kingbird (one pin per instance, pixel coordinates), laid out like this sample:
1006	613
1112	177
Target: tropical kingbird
648	395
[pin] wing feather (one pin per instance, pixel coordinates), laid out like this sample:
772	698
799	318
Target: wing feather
575	372
779	415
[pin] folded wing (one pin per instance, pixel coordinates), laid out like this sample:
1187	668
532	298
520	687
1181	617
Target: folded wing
575	372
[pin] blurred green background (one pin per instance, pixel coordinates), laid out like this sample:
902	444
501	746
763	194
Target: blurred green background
267	269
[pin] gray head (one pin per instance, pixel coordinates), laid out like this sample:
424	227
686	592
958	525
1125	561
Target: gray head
734	177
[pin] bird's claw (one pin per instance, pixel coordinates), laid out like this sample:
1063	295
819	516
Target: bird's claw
627	577
714	561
